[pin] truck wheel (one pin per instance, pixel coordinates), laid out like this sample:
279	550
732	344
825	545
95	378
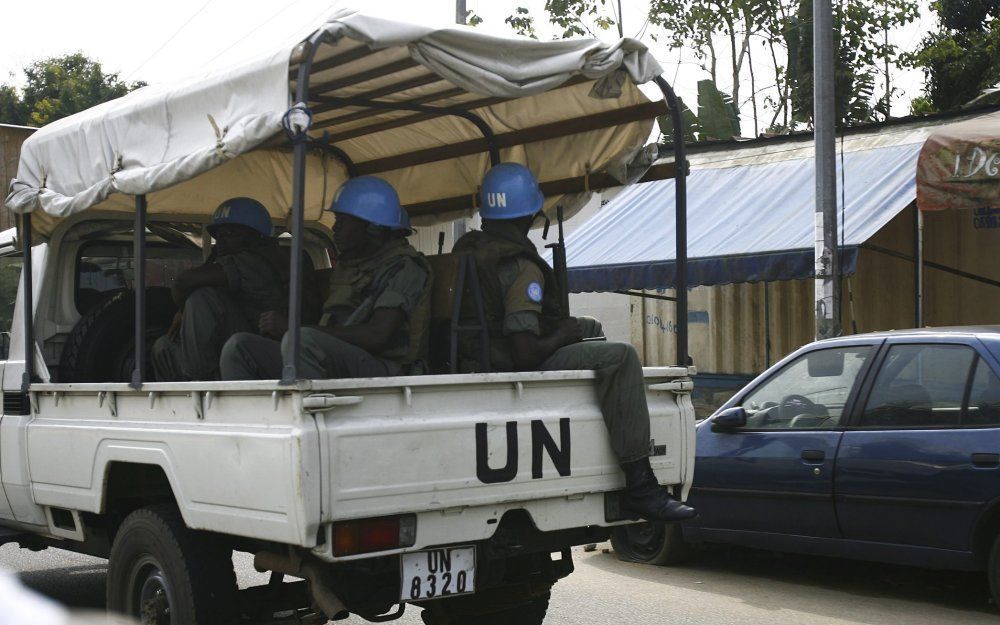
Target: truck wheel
650	543
101	346
162	573
499	606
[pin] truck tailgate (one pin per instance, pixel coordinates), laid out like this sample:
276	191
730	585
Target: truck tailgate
461	442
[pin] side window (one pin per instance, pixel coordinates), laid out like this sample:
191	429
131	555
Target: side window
984	397
810	392
107	267
920	386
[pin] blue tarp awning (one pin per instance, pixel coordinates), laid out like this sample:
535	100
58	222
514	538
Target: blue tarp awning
749	223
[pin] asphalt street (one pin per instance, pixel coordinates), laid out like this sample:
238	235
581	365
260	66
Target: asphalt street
719	587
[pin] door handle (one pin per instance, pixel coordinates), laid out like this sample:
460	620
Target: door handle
985	460
813	455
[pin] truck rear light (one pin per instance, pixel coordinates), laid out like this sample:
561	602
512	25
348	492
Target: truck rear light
377	534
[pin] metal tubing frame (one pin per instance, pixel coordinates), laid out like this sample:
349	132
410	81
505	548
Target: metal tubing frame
918	267
469	116
290	370
680	210
329	148
139	288
27	275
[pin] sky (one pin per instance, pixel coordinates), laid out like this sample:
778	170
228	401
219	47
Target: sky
165	41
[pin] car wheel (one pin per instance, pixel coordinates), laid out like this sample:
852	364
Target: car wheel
162	573
650	543
993	571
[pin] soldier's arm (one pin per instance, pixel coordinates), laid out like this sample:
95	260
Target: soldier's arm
191	280
373	335
530	343
529	350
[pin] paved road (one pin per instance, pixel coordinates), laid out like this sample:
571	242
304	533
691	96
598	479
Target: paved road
722	586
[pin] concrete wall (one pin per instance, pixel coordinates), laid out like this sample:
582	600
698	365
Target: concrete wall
11	138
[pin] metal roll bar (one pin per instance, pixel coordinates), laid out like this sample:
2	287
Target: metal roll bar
680	212
139	287
27	276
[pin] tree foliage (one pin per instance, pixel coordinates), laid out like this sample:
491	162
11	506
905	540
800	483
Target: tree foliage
730	37
57	87
962	58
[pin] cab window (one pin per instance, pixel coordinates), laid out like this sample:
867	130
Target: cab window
105	267
809	392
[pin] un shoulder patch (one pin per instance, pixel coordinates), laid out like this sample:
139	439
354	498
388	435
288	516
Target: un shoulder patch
535	292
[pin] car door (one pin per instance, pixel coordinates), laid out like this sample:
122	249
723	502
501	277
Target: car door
775	474
922	457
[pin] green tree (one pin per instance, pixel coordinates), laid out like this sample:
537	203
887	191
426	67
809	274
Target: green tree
57	87
961	59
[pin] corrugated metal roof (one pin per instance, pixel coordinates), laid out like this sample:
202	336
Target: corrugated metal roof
750	214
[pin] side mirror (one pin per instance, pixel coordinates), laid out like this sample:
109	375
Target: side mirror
729	419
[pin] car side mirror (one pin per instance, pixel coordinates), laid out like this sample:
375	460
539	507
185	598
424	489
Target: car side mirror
729	419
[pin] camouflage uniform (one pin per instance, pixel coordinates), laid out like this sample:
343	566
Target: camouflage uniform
257	281
395	277
520	296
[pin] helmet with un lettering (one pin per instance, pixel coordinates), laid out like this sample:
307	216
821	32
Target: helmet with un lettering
509	191
372	199
243	211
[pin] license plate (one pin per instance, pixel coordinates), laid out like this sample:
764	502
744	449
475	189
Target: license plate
438	573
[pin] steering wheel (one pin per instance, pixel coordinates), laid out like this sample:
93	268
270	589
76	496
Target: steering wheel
795	405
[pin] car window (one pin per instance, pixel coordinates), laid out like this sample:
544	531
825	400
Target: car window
920	386
984	397
810	392
10	277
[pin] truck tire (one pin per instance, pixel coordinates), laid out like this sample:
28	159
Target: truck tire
495	606
101	346
651	543
162	573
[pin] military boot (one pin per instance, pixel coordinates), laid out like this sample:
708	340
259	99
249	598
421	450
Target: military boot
644	497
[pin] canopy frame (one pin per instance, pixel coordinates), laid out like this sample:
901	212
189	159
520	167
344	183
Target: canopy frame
491	143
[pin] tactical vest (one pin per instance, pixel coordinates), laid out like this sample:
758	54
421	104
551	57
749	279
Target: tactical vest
490	251
355	285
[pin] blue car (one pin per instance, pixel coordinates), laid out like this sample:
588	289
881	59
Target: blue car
881	446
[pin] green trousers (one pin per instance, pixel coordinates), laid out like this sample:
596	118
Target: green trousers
621	391
210	317
248	356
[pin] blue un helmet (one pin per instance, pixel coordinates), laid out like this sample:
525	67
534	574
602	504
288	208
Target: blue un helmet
510	191
243	211
373	200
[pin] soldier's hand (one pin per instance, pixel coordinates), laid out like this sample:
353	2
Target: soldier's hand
569	331
272	324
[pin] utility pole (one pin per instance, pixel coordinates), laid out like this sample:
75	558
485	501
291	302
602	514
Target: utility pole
827	257
621	18
460	12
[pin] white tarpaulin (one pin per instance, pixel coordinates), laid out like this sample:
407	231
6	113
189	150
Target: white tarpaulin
191	145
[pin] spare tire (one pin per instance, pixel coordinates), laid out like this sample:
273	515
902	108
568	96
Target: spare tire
101	346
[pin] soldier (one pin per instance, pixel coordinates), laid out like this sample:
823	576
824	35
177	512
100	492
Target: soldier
376	319
246	274
529	330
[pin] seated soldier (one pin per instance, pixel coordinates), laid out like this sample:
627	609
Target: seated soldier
529	330
246	274
376	319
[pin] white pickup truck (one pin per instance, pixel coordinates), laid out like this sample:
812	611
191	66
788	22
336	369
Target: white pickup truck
462	494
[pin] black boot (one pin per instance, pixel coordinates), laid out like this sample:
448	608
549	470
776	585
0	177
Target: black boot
644	497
